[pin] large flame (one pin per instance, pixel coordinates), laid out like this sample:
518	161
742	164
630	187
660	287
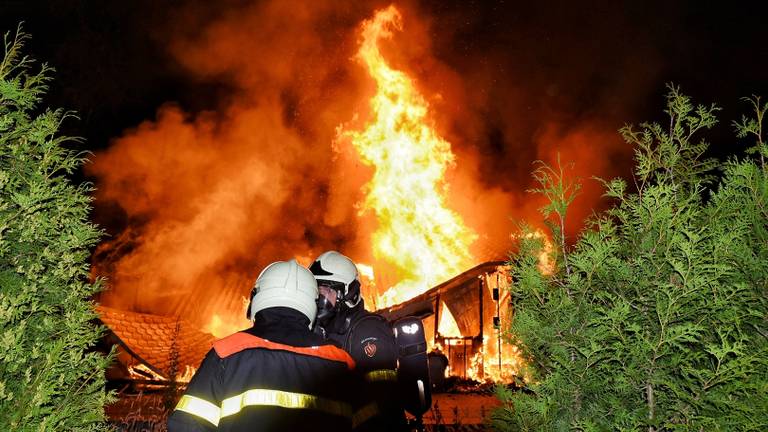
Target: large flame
197	202
200	201
418	233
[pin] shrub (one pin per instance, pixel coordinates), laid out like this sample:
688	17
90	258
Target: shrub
656	318
50	378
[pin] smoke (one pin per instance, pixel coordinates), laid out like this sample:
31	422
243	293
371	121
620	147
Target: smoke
211	198
202	201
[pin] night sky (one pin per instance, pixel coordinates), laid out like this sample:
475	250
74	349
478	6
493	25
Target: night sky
507	83
579	58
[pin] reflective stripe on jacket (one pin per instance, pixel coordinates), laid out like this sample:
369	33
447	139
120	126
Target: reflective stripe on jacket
249	383
260	397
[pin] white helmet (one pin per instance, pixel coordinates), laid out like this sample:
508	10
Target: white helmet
335	267
285	284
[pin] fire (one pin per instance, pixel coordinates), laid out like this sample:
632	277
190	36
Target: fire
425	240
368	279
475	365
448	326
366	270
187	375
492	358
225	325
546	265
142	372
501	360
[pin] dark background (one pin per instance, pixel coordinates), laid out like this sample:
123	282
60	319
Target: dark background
113	69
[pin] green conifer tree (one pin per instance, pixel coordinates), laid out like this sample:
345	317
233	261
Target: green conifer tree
50	377
658	318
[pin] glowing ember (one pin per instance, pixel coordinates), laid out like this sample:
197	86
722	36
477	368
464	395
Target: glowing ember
142	372
186	377
425	240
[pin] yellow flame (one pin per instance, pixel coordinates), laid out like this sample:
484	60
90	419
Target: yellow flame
142	372
448	326
368	281
417	233
224	325
475	366
546	264
365	270
186	376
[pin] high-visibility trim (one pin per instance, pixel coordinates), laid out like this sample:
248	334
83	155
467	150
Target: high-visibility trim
364	414
199	408
283	399
381	375
240	341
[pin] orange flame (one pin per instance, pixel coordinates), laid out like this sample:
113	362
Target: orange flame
417	233
222	325
546	264
495	359
501	361
142	372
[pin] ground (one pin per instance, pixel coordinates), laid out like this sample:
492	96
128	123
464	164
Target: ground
145	411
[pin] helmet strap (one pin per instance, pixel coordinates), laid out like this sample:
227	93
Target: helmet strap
250	304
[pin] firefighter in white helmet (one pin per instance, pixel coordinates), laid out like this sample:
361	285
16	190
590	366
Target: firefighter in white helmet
277	375
367	337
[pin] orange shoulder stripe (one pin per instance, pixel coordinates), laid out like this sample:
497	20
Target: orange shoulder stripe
237	342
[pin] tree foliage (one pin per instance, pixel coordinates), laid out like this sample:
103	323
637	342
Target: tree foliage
658	319
50	377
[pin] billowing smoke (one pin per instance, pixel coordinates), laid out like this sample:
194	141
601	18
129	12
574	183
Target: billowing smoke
205	200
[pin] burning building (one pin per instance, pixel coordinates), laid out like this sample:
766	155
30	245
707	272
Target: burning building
153	348
464	318
204	201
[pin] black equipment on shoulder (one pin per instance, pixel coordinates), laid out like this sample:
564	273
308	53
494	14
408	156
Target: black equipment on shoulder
413	369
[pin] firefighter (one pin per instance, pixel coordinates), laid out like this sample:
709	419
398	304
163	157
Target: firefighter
367	337
276	376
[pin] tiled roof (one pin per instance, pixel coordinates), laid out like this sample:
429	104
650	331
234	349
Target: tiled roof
152	339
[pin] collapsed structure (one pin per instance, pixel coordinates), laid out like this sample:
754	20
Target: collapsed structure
153	348
463	318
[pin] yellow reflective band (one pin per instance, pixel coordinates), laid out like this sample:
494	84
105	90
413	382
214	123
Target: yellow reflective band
199	408
381	375
262	397
364	414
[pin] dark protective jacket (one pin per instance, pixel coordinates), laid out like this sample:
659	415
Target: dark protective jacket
368	338
276	376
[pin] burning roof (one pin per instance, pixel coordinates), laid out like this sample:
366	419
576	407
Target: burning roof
161	344
423	304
